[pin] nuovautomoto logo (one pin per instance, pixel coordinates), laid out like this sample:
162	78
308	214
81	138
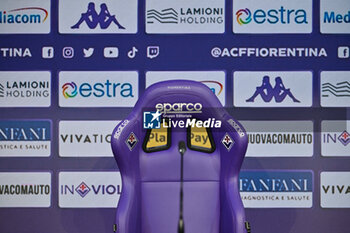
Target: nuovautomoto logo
21	17
98	88
272	16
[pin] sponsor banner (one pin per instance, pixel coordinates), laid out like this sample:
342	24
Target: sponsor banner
25	138
279	138
25	17
25	89
272	16
185	16
276	189
98	88
335	138
89	189
85	138
272	89
335	16
98	16
25	189
335	89
335	189
215	80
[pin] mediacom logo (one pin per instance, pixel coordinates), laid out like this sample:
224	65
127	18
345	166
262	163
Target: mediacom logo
85	138
89	189
25	138
335	189
276	189
279	138
215	80
274	16
335	16
22	17
25	89
25	189
98	89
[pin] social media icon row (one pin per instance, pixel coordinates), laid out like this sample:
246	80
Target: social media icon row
48	52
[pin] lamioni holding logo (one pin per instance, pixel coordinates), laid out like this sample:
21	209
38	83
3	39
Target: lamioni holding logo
272	16
98	89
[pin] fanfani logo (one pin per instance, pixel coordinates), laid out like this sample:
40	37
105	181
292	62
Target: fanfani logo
67	86
22	15
82	189
212	84
92	19
248	17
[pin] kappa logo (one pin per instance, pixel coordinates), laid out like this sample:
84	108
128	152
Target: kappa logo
279	92
104	19
82	189
131	141
227	141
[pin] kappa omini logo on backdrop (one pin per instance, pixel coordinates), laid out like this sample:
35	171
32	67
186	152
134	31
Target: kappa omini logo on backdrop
335	138
335	16
99	16
279	138
272	16
25	189
215	80
272	89
89	189
335	189
185	16
276	189
335	88
85	138
25	89
98	88
25	138
21	16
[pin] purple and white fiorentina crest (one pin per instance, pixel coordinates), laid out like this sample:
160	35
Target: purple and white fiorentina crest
82	189
344	138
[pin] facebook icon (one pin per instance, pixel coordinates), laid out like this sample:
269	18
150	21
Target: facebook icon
151	120
47	52
343	52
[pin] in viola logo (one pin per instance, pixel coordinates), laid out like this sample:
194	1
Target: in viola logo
335	138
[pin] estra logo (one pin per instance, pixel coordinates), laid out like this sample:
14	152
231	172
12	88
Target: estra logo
98	89
272	16
215	80
21	16
89	189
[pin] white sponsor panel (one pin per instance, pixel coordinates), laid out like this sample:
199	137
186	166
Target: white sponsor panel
25	17
335	138
272	16
335	88
25	89
86	138
335	189
215	80
335	16
272	89
276	189
89	189
98	88
25	138
279	138
185	16
98	16
25	189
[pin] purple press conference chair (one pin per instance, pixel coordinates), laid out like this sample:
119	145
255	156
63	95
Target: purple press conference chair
177	178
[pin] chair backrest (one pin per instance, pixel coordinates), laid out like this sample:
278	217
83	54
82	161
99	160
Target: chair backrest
149	162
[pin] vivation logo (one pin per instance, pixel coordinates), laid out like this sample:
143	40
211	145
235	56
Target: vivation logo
118	89
335	189
272	17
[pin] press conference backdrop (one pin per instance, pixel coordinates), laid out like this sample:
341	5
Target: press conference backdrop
71	70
